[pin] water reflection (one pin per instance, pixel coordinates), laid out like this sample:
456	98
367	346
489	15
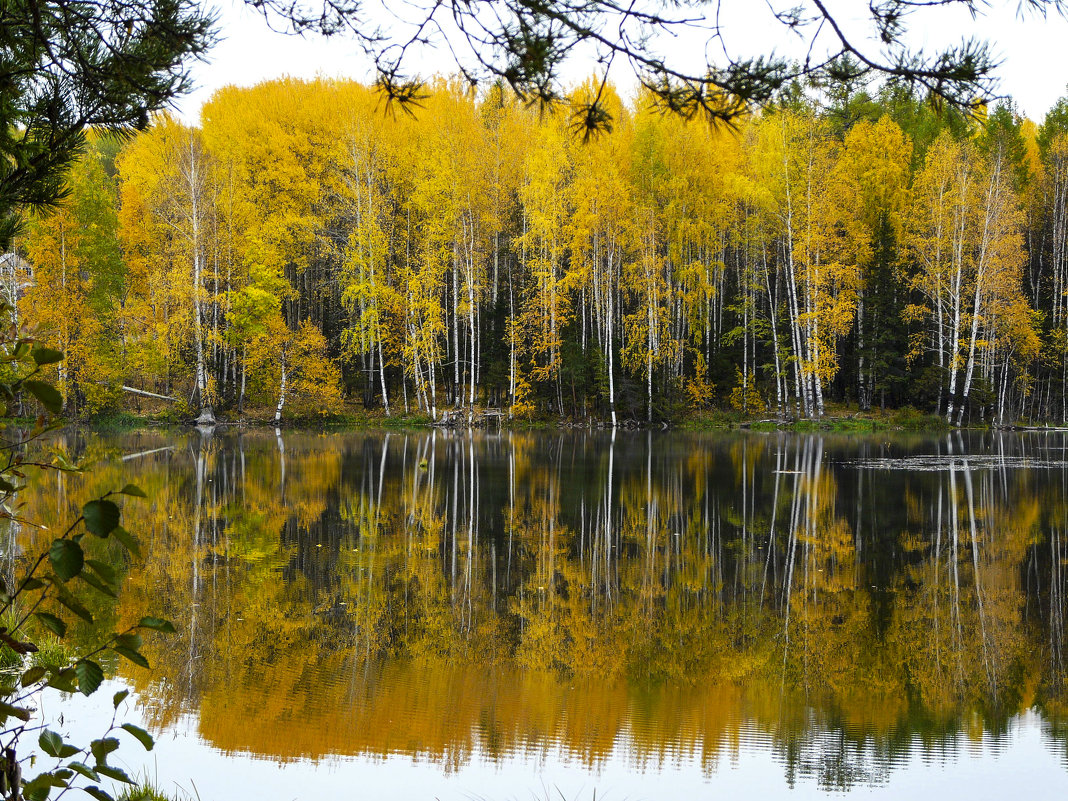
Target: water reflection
682	598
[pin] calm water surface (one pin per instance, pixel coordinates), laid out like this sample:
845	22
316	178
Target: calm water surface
656	616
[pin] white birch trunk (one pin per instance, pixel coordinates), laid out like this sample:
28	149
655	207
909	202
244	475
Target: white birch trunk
382	373
281	391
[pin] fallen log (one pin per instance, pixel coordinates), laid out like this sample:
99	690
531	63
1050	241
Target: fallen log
146	394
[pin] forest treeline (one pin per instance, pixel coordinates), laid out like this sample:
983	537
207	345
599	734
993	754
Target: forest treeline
303	248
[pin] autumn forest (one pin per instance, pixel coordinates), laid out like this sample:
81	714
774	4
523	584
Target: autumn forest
307	249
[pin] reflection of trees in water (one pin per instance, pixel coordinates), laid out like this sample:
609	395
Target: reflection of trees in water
440	592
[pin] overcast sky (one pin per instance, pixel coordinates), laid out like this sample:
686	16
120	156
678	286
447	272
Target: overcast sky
1032	50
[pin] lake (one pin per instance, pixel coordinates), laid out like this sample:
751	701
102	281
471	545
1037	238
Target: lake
575	615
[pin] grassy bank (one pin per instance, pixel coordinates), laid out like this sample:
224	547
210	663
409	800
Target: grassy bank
343	421
837	419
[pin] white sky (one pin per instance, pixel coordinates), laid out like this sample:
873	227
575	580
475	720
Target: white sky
1034	69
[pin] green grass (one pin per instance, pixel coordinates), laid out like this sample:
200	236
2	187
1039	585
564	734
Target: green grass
405	421
837	419
9	659
762	425
910	419
536	424
711	420
146	790
52	651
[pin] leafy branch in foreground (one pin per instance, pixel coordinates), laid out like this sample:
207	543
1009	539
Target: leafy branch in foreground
69	65
524	43
56	585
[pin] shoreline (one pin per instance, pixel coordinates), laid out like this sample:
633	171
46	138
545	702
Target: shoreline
838	421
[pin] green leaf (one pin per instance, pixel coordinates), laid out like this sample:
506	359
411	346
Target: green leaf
9	711
50	742
31	584
97	793
133	490
64	596
142	736
47	394
156	624
119	697
67	558
43	356
127	540
38	789
64	680
90	676
102	569
85	770
131	654
34	675
130	640
101	748
52	623
97	584
101	517
67	751
118	774
61	462
62	775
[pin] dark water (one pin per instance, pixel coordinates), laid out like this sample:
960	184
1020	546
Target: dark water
433	615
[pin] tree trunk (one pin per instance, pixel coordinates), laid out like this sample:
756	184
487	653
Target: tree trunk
281	391
382	373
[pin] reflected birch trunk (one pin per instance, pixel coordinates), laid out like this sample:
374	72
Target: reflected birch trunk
984	642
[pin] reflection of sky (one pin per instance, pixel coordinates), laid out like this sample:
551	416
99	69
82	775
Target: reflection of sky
1021	763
